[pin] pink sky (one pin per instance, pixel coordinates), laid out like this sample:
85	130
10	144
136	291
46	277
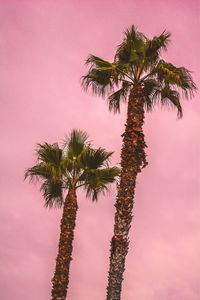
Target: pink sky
43	46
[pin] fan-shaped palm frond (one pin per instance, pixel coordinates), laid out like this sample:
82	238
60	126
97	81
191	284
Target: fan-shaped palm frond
99	81
157	44
96	62
132	47
94	158
49	171
117	97
179	77
96	181
48	153
39	171
52	192
75	143
171	98
100	77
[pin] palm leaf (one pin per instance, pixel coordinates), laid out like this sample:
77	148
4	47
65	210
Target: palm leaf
132	47
94	158
52	182
101	77
49	153
115	99
52	193
97	181
96	62
39	171
154	46
75	143
179	77
171	98
100	81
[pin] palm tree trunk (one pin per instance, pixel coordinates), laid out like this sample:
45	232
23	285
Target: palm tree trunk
133	159
61	275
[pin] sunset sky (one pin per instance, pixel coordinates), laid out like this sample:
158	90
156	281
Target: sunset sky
43	47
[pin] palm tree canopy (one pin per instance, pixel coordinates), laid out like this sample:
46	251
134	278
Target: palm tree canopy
76	164
138	61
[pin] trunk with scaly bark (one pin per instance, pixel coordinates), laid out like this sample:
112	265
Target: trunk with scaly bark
61	275
133	159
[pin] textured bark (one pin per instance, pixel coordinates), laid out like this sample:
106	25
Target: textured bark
133	159
61	275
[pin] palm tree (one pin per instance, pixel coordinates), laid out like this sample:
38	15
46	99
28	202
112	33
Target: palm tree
61	172
139	76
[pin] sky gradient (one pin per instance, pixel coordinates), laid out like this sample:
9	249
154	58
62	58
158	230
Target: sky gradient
43	47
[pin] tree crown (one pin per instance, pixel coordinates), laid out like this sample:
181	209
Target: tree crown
74	165
138	61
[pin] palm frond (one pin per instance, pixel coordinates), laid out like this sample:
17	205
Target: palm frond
97	181
132	47
157	44
179	77
115	99
108	175
39	171
96	62
49	153
75	143
67	165
100	82
51	182
48	170
133	35
52	193
171	98
94	158
102	75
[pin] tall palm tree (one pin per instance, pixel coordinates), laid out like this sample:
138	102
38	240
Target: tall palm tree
61	172
139	76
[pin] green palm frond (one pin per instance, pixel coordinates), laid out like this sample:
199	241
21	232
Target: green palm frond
101	77
157	44
117	97
96	62
94	158
99	81
179	77
134	36
48	153
96	181
51	182
107	175
132	47
75	143
67	165
171	98
39	171
52	193
48	170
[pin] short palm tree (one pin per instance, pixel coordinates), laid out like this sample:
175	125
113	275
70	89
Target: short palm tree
139	76
61	172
